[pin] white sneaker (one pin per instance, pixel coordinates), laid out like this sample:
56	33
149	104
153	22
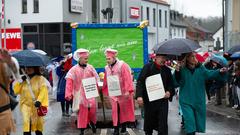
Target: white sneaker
235	106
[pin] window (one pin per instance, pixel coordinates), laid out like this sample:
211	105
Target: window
67	28
52	28
95	11
154	17
35	6
174	32
148	13
30	28
160	18
24	6
141	13
165	19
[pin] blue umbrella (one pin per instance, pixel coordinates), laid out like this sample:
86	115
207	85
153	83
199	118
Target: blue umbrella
234	49
176	46
29	58
219	59
236	55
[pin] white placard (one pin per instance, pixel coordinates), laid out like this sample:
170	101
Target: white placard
114	88
90	87
155	89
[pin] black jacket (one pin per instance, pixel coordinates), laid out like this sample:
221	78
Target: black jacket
149	70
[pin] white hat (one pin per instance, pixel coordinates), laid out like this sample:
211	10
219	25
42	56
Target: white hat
80	53
111	52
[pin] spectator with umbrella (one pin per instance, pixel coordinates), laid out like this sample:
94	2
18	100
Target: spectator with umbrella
217	85
235	89
236	86
32	90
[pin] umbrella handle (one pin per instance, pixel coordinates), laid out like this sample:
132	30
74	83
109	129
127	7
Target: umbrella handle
29	85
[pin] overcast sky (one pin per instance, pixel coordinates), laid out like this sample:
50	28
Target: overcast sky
197	8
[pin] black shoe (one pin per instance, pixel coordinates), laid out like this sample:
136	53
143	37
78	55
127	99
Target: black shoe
94	129
116	131
217	104
193	133
238	108
82	131
123	129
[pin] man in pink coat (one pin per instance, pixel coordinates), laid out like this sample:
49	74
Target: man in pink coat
74	78
118	79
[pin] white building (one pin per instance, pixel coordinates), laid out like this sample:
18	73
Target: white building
178	28
46	23
157	12
218	37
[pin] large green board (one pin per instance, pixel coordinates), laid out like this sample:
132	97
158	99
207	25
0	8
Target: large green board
128	42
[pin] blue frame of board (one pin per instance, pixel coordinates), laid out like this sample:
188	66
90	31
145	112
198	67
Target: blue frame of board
118	25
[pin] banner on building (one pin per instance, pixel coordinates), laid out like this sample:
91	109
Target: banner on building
134	12
13	38
76	6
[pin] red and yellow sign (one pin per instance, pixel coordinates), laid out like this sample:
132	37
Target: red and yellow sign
13	38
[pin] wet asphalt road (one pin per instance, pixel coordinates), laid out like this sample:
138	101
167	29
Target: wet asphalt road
55	124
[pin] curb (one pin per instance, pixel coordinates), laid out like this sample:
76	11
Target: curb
218	111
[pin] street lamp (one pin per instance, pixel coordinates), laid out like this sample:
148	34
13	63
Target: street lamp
108	14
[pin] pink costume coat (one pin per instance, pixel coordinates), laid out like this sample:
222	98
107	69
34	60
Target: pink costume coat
74	83
125	101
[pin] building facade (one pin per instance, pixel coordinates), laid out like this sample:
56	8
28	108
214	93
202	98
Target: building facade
134	11
177	26
47	23
157	12
232	23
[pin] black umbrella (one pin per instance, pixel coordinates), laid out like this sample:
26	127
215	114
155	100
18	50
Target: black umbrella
29	58
176	46
234	49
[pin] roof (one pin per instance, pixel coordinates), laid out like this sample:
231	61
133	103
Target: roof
158	2
192	23
221	26
178	23
202	29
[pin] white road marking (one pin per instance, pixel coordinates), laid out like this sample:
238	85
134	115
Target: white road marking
103	132
130	131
